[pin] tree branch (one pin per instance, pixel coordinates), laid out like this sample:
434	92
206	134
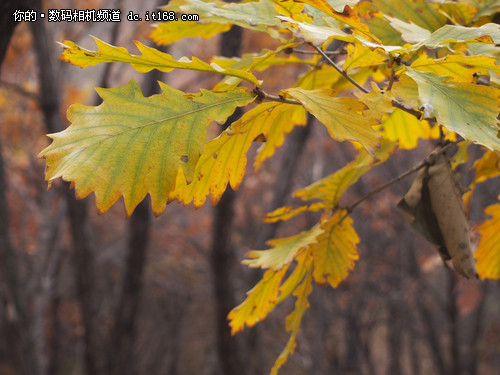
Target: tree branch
339	69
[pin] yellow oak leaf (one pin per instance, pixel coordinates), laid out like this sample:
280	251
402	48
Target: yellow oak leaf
343	117
335	251
488	252
149	59
224	160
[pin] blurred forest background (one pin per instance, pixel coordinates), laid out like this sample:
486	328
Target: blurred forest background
82	293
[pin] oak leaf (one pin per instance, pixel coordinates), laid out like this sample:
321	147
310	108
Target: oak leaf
131	145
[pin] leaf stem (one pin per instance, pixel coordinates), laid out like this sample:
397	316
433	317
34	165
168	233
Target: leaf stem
339	69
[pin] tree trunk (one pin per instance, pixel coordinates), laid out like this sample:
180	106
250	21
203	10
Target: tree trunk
77	210
222	258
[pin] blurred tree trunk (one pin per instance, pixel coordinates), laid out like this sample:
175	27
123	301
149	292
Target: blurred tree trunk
122	359
122	354
453	319
431	333
222	258
77	210
15	320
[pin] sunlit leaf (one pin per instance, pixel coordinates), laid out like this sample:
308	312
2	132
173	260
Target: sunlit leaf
149	59
468	109
343	117
488	252
335	251
131	145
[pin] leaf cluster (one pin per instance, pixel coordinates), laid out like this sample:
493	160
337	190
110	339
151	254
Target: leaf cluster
425	70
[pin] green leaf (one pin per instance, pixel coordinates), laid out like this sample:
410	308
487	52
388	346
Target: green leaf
167	33
133	145
283	250
468	109
149	59
335	251
343	117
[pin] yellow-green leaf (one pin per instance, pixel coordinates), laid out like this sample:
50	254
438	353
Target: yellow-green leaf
468	109
343	117
149	59
488	252
131	145
224	160
335	252
283	250
167	33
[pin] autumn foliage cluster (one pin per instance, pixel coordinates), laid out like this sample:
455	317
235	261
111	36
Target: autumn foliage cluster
380	74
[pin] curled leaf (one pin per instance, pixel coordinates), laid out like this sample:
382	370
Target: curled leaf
435	209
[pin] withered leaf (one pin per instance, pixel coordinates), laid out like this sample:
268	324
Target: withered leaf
435	209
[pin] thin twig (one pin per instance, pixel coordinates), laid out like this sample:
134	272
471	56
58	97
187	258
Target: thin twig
339	69
20	90
262	95
427	161
303	52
